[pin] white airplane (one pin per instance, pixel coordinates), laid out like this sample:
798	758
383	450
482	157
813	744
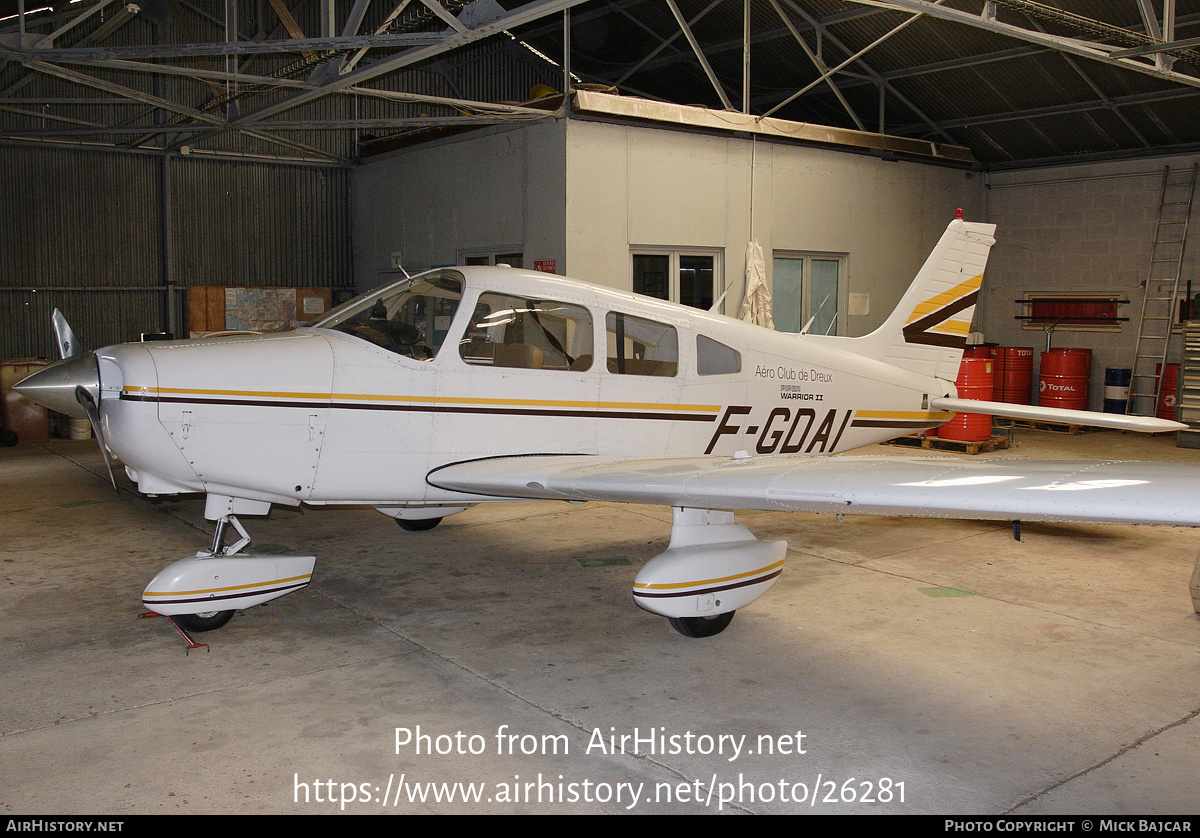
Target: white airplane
470	385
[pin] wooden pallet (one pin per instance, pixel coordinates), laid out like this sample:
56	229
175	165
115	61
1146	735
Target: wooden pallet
1052	427
936	443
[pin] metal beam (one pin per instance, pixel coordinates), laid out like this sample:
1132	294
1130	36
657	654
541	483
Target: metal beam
1102	104
664	44
300	125
122	90
1073	46
1151	49
816	60
49	40
855	13
829	72
355	18
174	107
243	78
1149	20
745	56
445	16
517	17
293	45
691	39
349	64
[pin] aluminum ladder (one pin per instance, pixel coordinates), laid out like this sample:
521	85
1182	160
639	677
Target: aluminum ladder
1160	306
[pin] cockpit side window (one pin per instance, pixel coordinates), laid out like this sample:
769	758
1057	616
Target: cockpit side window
715	358
637	346
410	318
510	331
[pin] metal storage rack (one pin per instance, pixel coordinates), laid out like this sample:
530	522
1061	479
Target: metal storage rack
1189	388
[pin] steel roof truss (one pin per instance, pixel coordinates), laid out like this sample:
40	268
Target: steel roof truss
691	39
817	61
1074	46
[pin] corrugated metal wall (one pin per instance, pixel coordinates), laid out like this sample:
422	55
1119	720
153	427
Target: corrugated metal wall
258	224
101	235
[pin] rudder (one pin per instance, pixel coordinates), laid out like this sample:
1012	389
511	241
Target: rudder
927	331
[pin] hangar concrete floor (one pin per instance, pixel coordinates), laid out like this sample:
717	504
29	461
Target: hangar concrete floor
1062	677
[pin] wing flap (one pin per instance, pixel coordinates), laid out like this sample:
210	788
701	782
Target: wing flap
929	487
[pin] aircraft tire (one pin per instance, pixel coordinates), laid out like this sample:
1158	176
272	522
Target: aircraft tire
207	621
418	524
701	626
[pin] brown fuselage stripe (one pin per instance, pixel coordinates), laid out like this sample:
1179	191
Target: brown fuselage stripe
409	408
894	423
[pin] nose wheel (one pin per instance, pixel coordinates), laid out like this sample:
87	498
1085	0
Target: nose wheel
702	626
204	621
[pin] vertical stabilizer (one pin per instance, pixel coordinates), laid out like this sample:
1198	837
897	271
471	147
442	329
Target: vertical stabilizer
927	331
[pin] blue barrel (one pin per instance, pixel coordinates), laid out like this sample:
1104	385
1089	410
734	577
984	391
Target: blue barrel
1116	389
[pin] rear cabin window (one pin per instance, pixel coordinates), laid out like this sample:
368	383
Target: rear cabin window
715	358
508	331
637	346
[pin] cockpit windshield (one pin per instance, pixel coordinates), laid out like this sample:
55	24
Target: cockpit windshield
410	318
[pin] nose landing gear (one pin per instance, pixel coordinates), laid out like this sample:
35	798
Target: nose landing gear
201	592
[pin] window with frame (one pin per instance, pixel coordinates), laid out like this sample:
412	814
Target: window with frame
513	258
805	287
692	277
637	346
508	331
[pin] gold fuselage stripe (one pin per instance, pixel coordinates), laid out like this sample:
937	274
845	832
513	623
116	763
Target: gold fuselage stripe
904	415
307	576
371	397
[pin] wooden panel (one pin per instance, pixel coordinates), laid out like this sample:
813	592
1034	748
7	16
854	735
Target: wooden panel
197	308
207	306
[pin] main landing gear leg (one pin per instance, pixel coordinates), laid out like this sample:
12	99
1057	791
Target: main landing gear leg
712	567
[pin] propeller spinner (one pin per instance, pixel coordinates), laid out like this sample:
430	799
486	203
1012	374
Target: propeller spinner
70	386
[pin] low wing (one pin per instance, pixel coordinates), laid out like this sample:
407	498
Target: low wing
930	487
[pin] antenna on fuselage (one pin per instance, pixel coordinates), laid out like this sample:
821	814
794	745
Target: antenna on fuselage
716	307
808	325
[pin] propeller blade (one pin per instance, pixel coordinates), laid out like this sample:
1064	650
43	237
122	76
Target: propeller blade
84	397
68	344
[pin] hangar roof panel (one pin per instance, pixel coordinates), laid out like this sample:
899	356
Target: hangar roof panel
1018	82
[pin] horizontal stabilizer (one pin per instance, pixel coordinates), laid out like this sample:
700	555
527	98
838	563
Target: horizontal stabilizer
1036	413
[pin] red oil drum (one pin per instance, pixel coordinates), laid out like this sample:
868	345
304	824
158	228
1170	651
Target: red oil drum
980	352
974	382
1064	378
983	352
1013	375
1169	394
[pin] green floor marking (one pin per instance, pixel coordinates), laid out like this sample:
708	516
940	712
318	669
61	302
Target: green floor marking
944	592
